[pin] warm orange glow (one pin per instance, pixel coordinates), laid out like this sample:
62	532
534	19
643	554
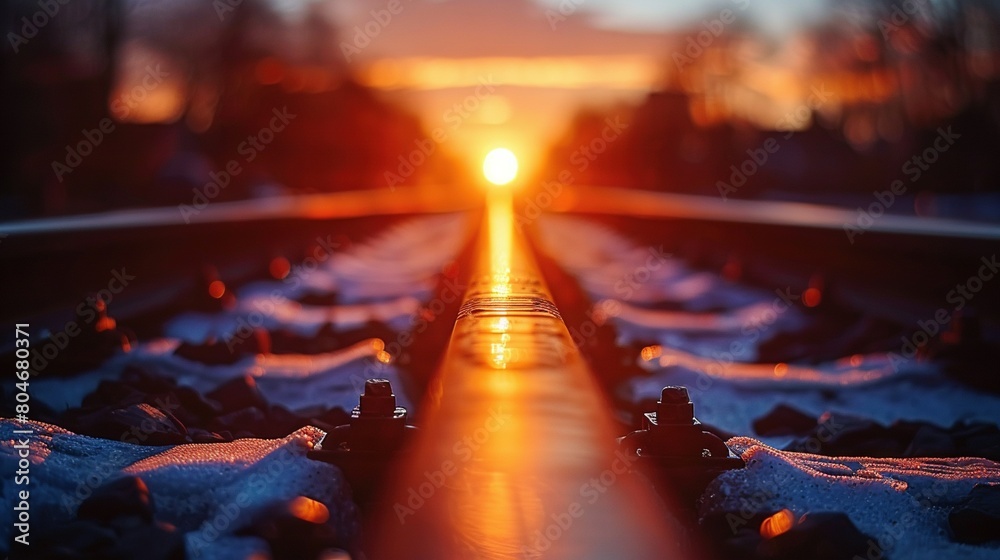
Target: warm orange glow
502	383
651	352
294	81
501	223
495	110
668	360
500	166
104	324
217	289
513	388
263	341
777	524
383	357
600	315
378	344
147	87
309	510
279	267
630	72
501	286
812	297
605	309
780	369
499	355
269	71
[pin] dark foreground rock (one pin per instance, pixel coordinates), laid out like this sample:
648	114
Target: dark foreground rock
116	522
819	535
977	519
149	409
845	435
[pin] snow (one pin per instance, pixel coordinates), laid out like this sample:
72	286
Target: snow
193	486
902	503
709	343
385	279
609	265
211	491
738	331
731	396
276	312
295	381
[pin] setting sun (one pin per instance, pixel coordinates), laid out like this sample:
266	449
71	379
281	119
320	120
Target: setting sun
500	166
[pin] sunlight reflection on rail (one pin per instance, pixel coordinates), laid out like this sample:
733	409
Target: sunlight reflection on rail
515	430
501	222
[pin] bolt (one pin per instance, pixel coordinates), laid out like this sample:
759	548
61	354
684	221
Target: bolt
675	406
674	395
378	399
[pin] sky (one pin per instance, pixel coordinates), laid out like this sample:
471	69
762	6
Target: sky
775	16
548	58
552	58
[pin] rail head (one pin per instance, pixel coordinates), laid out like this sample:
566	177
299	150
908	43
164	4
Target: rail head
516	458
652	204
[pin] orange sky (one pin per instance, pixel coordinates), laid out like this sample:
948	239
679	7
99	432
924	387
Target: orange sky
435	58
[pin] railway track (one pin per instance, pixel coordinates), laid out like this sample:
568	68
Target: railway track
516	458
521	356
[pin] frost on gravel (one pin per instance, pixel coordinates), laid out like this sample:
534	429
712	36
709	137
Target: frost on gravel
209	491
902	503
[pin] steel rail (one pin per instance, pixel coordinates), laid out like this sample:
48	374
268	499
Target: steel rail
650	204
329	206
516	458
